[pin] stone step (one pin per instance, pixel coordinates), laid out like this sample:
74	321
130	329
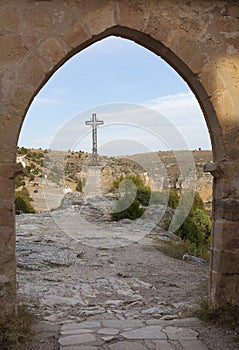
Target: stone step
130	335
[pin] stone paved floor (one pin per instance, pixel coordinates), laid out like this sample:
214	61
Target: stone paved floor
151	334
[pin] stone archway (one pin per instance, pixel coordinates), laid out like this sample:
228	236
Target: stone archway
200	40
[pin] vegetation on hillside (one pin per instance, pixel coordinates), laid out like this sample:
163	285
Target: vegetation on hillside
80	184
23	202
194	231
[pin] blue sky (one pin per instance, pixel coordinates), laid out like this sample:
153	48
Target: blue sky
108	72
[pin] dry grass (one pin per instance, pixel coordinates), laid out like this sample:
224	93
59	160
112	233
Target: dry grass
17	330
177	249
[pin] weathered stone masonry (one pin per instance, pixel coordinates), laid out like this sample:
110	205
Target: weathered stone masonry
200	39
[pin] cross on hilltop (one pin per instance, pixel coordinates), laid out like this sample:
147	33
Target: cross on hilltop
94	123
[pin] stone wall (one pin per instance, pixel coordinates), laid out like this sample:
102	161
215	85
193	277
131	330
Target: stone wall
197	38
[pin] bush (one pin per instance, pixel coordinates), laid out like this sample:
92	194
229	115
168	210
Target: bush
19	181
80	185
190	230
22	202
173	199
134	178
23	205
127	209
197	226
143	195
135	194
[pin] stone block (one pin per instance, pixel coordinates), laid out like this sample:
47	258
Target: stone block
226	235
97	15
38	18
148	332
82	347
227	209
163	345
188	50
122	324
33	72
77	339
7	295
127	345
8	171
108	331
10	20
52	51
177	333
6	188
75	35
9	133
133	14
226	262
12	48
84	325
193	344
6	215
224	288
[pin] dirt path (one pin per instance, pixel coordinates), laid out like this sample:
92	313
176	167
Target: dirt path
119	276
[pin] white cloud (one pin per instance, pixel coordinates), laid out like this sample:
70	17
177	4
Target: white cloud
184	112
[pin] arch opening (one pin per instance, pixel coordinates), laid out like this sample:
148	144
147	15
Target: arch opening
48	299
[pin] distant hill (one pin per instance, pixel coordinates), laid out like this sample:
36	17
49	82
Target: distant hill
59	169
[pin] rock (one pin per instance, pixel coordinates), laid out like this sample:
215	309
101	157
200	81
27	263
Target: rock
177	333
152	310
81	325
52	300
108	331
77	339
127	346
148	332
195	259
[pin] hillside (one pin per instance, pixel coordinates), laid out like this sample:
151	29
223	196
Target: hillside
53	173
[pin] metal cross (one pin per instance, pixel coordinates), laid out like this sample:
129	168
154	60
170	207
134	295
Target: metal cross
94	123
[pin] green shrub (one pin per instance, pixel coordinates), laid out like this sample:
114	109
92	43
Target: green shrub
19	181
190	230
197	226
80	184
22	204
135	195
143	195
127	209
24	193
134	178
173	199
